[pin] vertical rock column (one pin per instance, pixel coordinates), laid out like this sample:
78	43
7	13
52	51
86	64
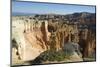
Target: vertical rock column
26	26
44	30
31	25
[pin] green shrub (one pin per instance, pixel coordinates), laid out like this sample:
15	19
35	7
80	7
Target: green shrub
52	56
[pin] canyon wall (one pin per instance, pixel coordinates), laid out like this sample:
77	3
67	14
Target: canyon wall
33	36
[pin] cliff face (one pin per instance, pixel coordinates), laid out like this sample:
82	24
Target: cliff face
32	36
87	42
29	39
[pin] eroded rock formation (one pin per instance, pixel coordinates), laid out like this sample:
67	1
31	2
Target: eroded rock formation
32	36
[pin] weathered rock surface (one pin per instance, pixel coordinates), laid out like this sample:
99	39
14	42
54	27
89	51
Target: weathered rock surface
31	36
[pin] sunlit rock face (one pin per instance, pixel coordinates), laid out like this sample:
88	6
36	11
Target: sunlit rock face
34	36
31	37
